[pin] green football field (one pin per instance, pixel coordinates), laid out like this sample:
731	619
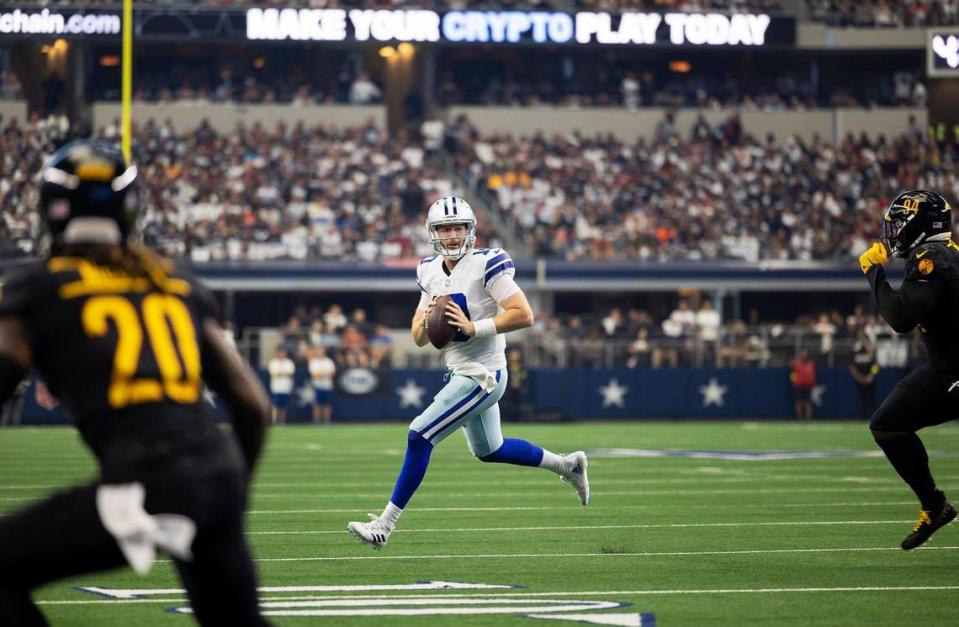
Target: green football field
710	539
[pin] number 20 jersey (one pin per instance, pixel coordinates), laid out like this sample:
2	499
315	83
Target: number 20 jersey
123	357
469	286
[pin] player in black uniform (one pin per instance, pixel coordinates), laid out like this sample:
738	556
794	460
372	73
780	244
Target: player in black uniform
125	341
918	227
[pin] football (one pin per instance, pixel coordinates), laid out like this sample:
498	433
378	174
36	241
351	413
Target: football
438	327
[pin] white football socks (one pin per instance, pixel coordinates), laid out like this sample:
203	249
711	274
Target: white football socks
554	462
391	514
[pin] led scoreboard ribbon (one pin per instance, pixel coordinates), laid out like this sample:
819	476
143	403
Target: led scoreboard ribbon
538	27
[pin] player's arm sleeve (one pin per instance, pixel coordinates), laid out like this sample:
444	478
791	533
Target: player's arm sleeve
15	356
905	307
17	303
233	379
499	276
425	297
205	300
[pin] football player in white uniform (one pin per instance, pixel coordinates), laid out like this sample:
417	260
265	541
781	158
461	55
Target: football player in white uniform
485	303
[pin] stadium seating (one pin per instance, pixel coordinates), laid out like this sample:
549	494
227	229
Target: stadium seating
319	193
720	195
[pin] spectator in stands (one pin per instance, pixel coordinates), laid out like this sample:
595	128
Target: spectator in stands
516	388
826	330
335	318
803	379
864	370
630	88
667	352
322	370
614	326
381	344
708	323
282	371
363	90
353	348
359	321
639	354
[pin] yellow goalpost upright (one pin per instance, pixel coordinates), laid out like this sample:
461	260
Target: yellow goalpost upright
127	79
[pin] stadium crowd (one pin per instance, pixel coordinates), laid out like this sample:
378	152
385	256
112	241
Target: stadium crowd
319	193
533	82
691	333
722	194
631	83
352	341
694	334
253	194
884	13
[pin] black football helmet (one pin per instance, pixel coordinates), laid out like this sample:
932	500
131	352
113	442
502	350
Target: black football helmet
88	181
912	218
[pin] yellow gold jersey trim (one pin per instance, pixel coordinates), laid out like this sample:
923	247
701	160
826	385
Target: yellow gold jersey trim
96	279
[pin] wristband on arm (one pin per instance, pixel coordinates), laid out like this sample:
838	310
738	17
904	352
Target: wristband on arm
484	328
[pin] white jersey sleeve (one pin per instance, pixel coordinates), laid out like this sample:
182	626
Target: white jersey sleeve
425	297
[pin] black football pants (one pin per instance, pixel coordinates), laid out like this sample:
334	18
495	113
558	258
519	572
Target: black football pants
62	536
922	399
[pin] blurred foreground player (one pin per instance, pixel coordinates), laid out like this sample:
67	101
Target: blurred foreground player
918	227
125	342
484	304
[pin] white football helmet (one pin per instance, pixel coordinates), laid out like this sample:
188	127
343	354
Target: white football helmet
451	210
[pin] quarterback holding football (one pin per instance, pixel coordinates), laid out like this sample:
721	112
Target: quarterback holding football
468	301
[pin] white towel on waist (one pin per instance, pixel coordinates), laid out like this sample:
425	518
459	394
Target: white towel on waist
479	373
138	533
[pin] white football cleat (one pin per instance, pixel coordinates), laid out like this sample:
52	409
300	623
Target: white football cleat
374	533
575	475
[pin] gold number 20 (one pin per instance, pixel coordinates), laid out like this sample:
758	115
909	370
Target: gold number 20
158	310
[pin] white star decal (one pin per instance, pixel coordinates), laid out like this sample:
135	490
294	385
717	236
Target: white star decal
614	394
713	393
411	395
816	395
305	395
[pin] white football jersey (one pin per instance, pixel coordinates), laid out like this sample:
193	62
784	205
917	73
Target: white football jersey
470	284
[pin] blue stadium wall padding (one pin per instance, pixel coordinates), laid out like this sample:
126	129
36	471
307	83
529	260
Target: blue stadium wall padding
581	394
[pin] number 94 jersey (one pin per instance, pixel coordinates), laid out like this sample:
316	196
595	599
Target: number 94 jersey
478	283
108	342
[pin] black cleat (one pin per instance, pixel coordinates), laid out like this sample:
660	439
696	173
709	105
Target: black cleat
928	523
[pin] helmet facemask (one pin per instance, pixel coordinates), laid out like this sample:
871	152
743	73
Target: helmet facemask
897	229
467	241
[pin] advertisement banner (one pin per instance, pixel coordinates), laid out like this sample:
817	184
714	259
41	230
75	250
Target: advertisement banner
564	394
334	25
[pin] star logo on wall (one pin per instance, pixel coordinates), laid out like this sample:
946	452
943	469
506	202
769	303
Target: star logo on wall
713	393
817	394
411	395
614	394
305	395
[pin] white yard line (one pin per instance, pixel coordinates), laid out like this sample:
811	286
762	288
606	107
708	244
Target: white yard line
581	527
553	508
568	555
525	595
